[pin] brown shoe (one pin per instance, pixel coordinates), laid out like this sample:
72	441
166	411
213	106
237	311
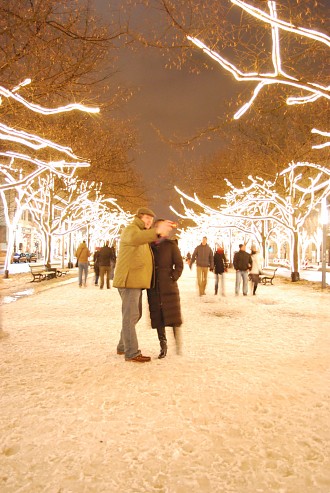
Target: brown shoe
139	358
120	352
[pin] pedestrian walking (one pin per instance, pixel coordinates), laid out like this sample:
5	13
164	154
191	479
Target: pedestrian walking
220	263
96	265
256	269
133	273
203	256
82	253
113	261
106	256
164	296
242	263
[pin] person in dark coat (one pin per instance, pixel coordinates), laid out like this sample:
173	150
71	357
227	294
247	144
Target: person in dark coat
219	270
96	265
242	264
164	296
203	256
106	256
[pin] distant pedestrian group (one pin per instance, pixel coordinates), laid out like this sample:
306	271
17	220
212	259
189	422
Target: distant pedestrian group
248	266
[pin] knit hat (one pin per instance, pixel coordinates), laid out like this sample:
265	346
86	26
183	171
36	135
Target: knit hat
145	210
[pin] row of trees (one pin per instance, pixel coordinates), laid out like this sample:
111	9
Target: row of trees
68	54
54	52
58	202
265	211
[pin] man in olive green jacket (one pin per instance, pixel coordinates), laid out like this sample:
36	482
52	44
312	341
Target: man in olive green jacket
133	273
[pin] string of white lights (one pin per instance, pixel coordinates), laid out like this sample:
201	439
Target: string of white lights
278	76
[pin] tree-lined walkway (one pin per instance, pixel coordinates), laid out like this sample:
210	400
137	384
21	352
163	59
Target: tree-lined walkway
244	409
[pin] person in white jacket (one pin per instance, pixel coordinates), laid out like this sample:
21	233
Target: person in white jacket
257	263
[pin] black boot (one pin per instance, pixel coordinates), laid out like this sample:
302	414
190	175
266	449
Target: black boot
255	288
163	342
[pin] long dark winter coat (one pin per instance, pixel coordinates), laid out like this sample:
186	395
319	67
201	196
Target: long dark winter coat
164	297
219	262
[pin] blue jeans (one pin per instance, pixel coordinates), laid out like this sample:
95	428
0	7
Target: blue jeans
241	274
131	313
216	286
83	268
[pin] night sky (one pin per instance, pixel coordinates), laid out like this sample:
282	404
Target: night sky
176	102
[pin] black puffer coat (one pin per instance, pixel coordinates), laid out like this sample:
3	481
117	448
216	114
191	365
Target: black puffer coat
164	297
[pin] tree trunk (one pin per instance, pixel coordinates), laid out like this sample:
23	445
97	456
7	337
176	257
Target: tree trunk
47	242
295	257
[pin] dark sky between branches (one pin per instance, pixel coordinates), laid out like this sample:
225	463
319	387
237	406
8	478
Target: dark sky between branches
176	102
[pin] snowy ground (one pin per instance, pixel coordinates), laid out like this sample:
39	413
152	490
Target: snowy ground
245	409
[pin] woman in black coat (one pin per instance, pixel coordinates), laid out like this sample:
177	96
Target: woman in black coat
220	268
164	296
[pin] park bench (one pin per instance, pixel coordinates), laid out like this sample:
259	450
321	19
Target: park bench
267	275
59	271
40	273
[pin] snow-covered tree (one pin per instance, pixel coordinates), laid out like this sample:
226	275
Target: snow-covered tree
263	206
18	169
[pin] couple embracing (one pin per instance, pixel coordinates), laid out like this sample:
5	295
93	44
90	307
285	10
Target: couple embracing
147	259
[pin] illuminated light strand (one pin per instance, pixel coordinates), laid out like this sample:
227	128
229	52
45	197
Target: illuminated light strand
52	166
31	140
303	99
34	141
264	79
40	109
260	14
276	54
21	84
314	186
324	134
314	90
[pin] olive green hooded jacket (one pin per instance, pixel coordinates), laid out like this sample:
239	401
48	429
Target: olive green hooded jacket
134	265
